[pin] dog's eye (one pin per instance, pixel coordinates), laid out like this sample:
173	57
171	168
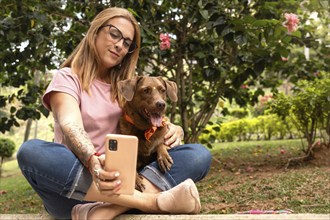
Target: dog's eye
162	90
146	90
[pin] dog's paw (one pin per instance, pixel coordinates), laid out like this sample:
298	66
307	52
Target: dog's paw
165	162
139	183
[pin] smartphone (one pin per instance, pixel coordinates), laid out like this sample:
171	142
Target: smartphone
120	155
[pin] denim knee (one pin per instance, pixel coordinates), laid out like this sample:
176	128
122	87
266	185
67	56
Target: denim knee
190	161
200	160
26	153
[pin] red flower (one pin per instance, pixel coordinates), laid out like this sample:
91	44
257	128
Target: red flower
291	22
165	41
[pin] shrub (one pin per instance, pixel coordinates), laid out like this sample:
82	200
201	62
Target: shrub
7	148
308	108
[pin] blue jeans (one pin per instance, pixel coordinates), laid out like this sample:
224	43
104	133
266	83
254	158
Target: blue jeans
61	181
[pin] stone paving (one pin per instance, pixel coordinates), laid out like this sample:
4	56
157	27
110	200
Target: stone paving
186	217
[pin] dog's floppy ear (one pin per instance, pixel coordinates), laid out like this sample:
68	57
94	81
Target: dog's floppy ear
127	88
171	90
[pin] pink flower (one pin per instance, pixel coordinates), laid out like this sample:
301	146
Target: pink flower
244	86
285	58
291	22
165	41
164	37
165	45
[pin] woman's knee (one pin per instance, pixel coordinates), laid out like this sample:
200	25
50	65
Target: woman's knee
27	151
202	156
193	160
198	154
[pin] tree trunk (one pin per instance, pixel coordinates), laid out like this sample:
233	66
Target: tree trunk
36	129
27	130
1	161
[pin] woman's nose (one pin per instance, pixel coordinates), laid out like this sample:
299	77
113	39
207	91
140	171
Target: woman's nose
119	44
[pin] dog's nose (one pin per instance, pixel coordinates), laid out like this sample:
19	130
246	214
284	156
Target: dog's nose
160	105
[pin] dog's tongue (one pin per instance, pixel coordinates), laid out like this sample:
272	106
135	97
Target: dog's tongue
156	120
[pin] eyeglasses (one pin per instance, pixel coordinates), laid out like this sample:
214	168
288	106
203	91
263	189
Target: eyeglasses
116	35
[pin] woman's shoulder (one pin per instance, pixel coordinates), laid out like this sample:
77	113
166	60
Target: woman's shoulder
66	71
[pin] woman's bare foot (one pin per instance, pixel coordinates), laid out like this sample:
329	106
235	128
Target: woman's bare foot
181	199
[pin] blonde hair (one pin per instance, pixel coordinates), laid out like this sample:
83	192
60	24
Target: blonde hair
84	60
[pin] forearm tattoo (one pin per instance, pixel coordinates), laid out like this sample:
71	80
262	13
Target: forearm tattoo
78	141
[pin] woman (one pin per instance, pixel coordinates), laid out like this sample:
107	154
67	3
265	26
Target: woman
85	103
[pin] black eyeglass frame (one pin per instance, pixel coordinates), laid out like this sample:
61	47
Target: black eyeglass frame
132	46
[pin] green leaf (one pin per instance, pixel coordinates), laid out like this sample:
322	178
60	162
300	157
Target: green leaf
204	14
296	34
264	22
200	54
259	66
133	12
206	132
220	20
287	39
240	38
12	110
284	52
249	19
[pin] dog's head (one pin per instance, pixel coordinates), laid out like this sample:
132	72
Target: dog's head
147	96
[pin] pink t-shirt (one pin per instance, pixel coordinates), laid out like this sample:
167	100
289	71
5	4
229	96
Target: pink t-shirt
100	115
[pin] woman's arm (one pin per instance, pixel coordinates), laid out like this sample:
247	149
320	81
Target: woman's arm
67	113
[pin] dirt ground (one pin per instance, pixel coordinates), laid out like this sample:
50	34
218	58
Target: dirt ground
302	187
322	156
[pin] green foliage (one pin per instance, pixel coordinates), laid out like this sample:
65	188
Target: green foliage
7	148
239	113
264	127
268	125
309	107
216	48
35	37
210	135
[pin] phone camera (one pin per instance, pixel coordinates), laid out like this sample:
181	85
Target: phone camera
112	145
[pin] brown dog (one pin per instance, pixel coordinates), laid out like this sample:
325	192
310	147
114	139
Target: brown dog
143	117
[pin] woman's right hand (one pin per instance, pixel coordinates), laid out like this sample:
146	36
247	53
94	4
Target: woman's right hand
107	182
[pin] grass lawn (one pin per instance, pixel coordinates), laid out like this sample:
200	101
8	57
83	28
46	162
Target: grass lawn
16	195
243	176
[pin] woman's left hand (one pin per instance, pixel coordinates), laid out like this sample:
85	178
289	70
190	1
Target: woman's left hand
173	136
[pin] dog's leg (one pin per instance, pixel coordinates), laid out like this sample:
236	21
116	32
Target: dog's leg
139	179
139	183
164	159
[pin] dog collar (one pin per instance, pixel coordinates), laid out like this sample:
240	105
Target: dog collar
149	132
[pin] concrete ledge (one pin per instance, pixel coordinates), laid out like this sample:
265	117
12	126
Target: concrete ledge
187	217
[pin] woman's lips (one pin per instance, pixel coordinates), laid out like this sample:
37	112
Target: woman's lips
114	53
